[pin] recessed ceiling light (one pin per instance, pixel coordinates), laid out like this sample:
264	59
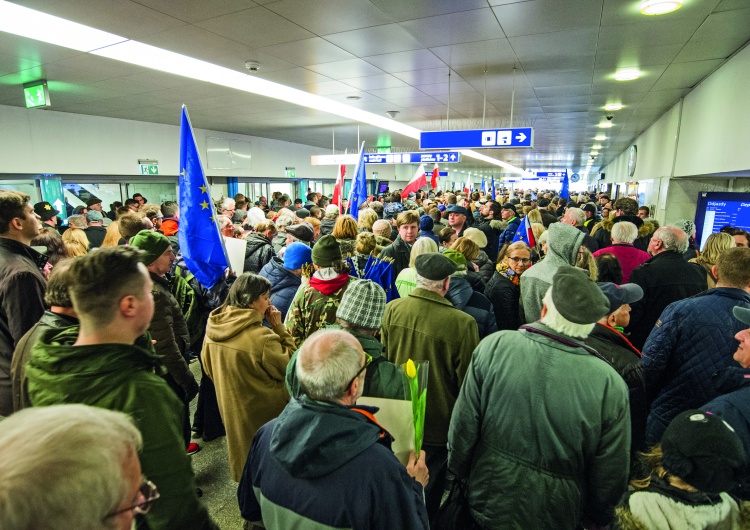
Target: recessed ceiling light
659	7
605	125
612	107
600	137
354	98
627	74
597	147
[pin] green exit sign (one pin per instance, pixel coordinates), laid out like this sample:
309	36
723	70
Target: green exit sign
36	94
149	169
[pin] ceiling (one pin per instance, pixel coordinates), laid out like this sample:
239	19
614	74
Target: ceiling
394	55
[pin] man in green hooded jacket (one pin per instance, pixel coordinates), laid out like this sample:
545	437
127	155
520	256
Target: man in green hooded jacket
109	361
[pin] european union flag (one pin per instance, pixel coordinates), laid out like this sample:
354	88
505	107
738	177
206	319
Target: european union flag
493	188
358	193
525	234
200	242
565	190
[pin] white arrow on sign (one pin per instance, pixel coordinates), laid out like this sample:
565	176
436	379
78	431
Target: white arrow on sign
59	206
453	157
521	137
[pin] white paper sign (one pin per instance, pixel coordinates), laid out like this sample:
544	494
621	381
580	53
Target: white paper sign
236	253
396	417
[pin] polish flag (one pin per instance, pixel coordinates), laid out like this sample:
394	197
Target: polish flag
435	174
417	181
338	188
467	187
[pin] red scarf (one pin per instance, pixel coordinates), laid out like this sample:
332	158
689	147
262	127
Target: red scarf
328	287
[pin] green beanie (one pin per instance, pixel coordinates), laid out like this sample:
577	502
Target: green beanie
457	258
153	244
326	251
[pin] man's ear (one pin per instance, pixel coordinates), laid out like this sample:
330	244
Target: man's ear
713	272
16	223
128	306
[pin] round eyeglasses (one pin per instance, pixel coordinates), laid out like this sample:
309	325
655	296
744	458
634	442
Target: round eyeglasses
149	493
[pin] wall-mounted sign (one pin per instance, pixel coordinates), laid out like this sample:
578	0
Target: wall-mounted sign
148	167
36	94
478	139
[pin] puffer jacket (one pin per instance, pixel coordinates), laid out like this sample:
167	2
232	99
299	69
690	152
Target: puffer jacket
326	226
464	297
258	252
505	298
486	266
562	249
693	339
541	430
507	235
284	284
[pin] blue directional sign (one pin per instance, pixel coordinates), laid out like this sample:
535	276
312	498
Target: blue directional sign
478	139
551	174
441	157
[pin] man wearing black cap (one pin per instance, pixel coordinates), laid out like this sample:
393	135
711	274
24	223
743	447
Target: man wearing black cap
94	204
509	215
457	216
23	285
47	214
541	430
446	339
592	217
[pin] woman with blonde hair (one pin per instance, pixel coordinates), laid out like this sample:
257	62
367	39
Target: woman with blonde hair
470	251
112	237
345	231
367	218
534	215
447	237
715	246
587	262
76	242
504	288
406	281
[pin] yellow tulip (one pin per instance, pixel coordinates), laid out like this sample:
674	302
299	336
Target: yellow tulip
411	370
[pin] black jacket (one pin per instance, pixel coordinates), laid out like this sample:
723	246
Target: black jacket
399	252
96	235
505	297
21	305
326	226
665	278
258	252
588	241
492	229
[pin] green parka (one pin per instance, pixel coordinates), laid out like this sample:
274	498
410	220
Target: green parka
121	377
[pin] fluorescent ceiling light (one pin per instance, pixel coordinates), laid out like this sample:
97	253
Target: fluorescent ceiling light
40	26
597	147
605	125
627	74
660	7
612	107
600	137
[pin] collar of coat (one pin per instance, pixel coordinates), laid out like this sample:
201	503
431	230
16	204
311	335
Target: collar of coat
429	295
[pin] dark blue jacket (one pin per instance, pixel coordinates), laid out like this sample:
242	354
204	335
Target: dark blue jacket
692	340
476	305
284	284
325	465
509	233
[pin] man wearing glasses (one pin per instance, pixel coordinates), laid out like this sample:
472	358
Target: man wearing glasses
325	462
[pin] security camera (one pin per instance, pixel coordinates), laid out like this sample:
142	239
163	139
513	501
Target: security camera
610	116
592	157
253	66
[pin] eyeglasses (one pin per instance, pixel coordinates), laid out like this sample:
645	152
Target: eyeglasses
149	493
368	360
524	261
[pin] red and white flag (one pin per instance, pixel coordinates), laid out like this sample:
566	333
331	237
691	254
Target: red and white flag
338	188
467	186
435	174
417	181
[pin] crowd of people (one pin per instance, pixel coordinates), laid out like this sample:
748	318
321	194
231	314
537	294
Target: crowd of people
588	378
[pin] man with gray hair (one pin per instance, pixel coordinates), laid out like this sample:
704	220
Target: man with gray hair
623	235
282	222
542	416
50	452
324	461
446	339
665	278
577	217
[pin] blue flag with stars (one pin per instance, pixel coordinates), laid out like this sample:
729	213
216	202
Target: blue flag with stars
358	193
200	241
493	188
565	190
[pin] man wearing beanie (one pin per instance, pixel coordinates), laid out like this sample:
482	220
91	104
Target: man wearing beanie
285	275
541	430
168	327
361	314
424	326
426	225
316	305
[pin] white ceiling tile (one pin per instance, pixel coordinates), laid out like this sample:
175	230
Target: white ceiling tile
558	45
604	80
726	5
454	87
10	64
255	27
724	25
324	17
327	88
294	77
565	77
397	93
196	10
158	79
559	91
617	12
709	49
401	10
129	86
374	82
32	50
308	51
648	32
546	16
102	65
492	52
686	75
416	100
427	77
405	61
346	69
455	28
630	56
237	59
377	40
195	42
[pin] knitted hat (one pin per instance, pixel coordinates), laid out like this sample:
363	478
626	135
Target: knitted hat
576	297
453	208
686	225
303	232
619	295
426	223
296	255
457	258
477	236
434	266
92	201
742	314
93	216
45	210
332	209
703	450
152	243
363	304
326	251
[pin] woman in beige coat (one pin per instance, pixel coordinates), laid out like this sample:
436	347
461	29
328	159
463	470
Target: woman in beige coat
247	363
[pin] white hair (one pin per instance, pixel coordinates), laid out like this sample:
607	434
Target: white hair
624	232
284	220
78	221
227	204
62	467
559	323
254	216
578	215
430	285
324	369
673	238
223	221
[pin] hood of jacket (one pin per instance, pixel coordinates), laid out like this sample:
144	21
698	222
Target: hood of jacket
57	369
312	439
459	292
279	277
169	227
648	227
563	242
227	322
257	241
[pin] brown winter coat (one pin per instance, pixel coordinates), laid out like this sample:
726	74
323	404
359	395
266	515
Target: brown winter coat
247	363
